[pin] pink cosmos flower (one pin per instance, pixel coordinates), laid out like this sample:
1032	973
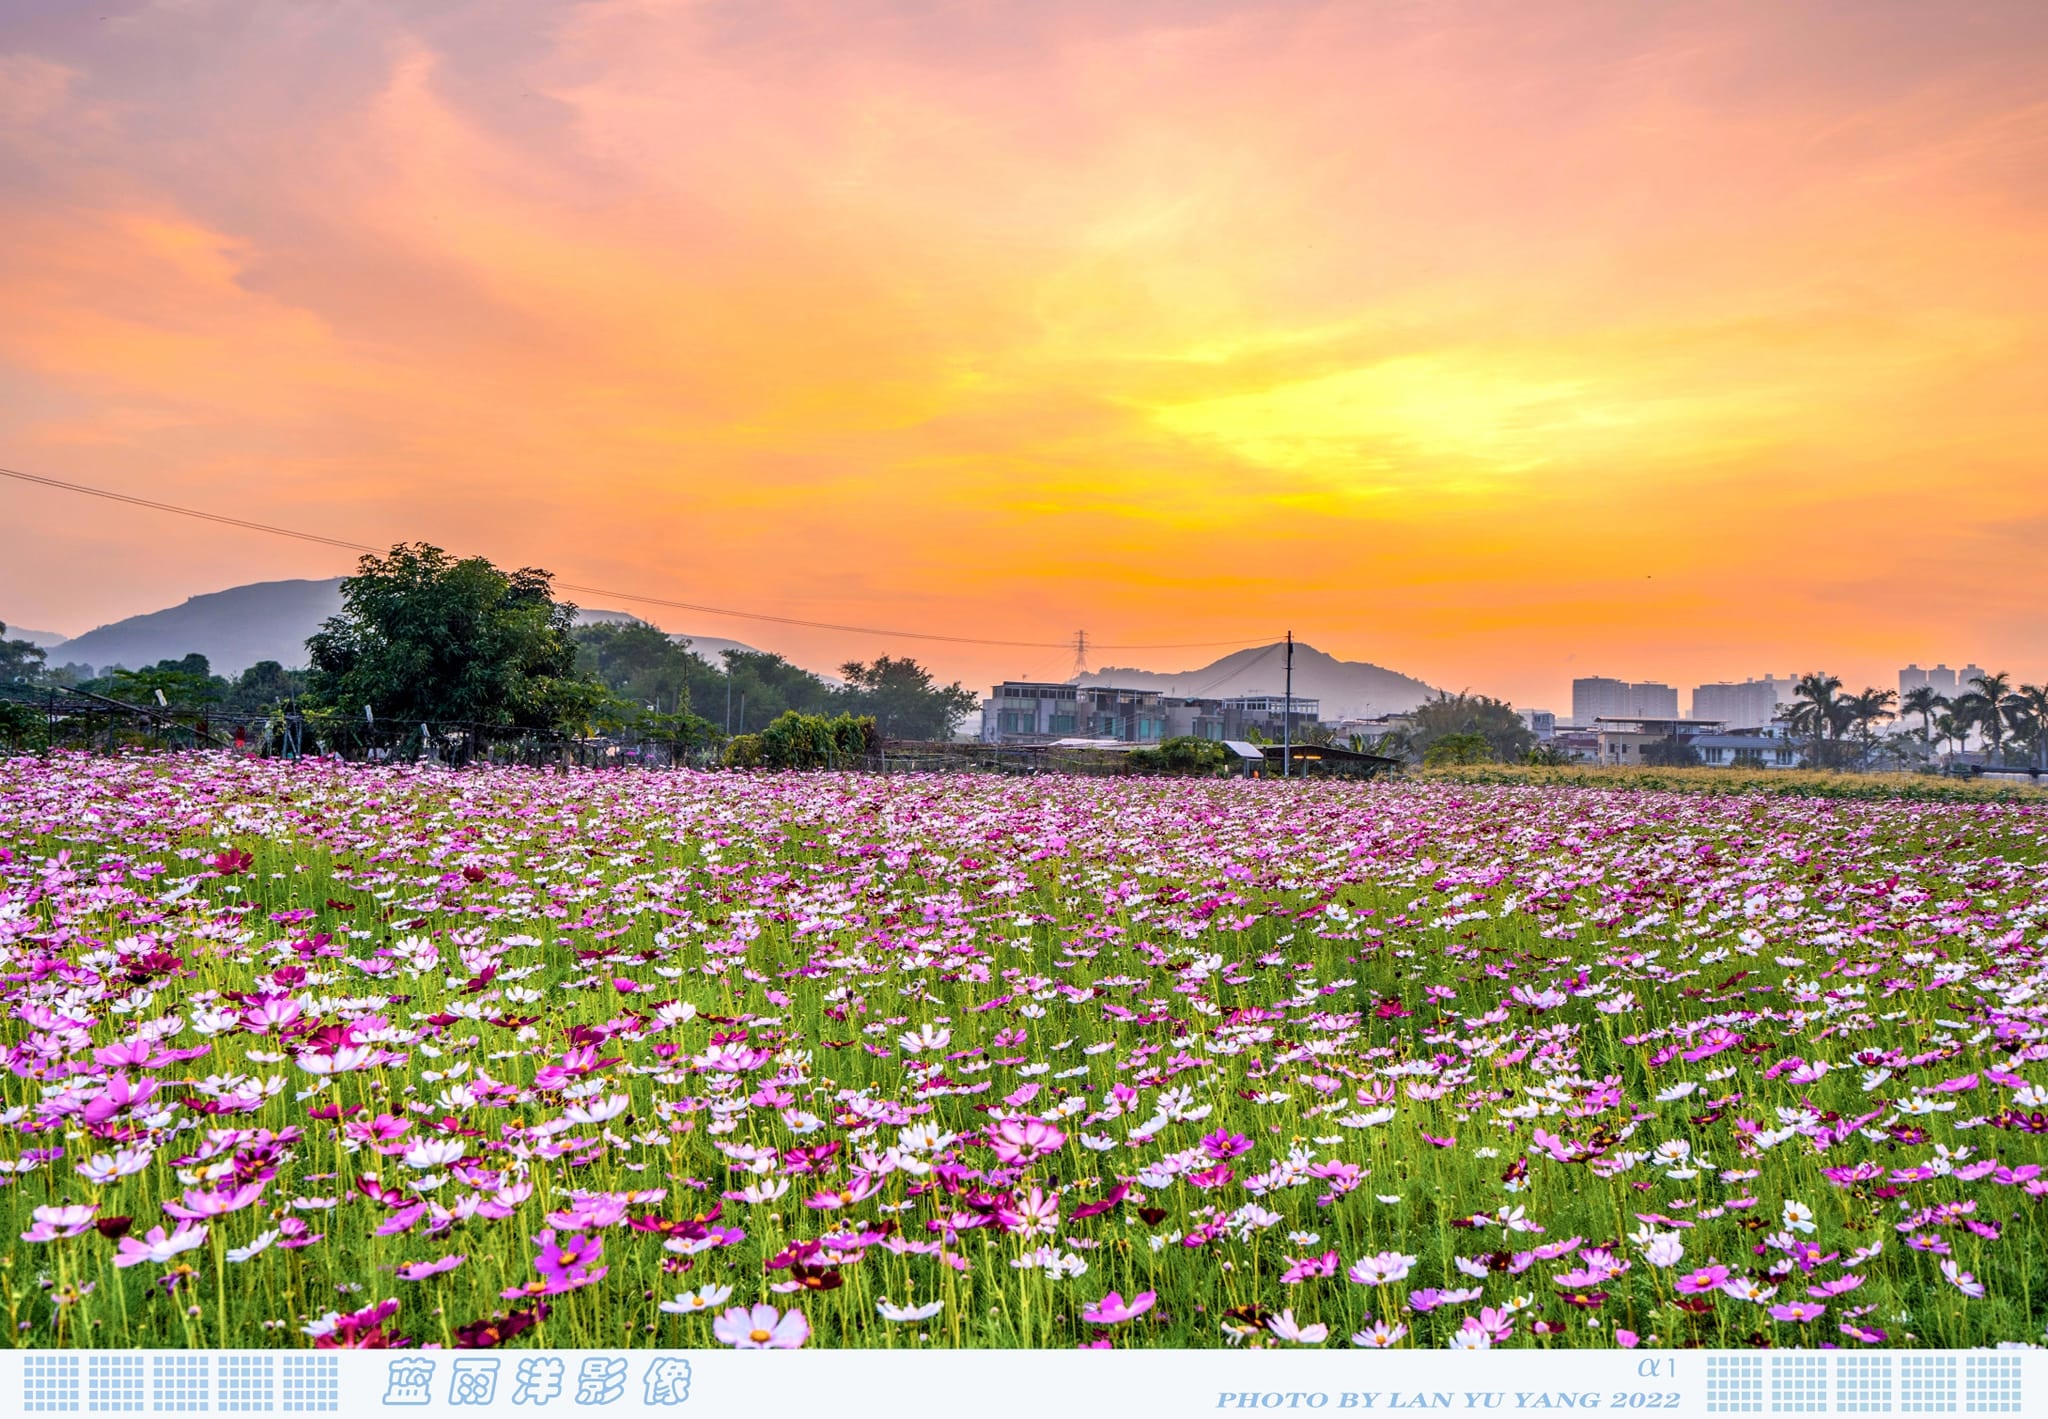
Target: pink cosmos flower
1962	1280
1705	1278
159	1247
55	1223
1799	1311
762	1328
1021	1140
1112	1309
1285	1326
421	1270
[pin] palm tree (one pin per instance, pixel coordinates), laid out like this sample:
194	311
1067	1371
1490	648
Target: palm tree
1993	691
1814	709
2028	710
1865	710
1925	701
1952	727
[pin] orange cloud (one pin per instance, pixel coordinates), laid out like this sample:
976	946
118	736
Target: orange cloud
1499	344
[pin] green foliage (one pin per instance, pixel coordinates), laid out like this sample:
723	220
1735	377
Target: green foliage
1507	737
425	637
1547	756
1182	757
21	727
1465	747
643	664
264	684
19	660
745	751
681	732
900	696
811	741
763	688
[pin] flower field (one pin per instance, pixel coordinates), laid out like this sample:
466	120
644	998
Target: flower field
319	1055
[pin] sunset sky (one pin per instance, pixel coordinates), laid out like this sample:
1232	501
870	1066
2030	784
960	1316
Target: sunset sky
1494	343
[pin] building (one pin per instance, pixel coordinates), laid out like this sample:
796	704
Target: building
1757	750
1596	697
1910	679
1748	704
1942	681
1542	723
1622	739
1268	714
1040	712
1967	678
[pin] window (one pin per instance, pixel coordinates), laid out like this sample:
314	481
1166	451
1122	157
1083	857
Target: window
1062	724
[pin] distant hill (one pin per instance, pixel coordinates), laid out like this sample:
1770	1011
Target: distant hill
233	629
45	639
1347	689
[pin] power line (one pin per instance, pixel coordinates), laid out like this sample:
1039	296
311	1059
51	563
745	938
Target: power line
247	525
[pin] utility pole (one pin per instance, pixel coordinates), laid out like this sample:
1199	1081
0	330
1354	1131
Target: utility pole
728	695
1287	716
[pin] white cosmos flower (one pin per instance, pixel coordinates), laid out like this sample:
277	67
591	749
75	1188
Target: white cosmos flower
690	1302
258	1244
435	1153
100	1169
898	1313
927	1037
597	1111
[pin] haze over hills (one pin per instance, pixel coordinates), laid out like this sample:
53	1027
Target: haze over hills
1347	689
235	628
45	639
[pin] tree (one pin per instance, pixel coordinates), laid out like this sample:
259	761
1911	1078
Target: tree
1819	714
1495	721
811	741
423	637
901	697
1993	690
1464	747
761	687
1183	756
188	680
264	684
641	663
2029	718
19	660
1925	701
1865	710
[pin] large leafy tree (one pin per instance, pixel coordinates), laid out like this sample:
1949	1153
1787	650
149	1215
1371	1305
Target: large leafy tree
423	636
903	700
641	663
1507	738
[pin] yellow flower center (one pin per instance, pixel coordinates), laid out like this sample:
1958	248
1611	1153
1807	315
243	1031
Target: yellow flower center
759	1337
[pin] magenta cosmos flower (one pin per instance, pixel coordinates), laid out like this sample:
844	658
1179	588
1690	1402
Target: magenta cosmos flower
564	1265
762	1328
1023	1139
1112	1309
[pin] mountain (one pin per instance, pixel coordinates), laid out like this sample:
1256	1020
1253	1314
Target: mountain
1347	689
265	620
48	640
233	629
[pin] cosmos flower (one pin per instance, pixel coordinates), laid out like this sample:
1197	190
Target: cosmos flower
761	1328
1113	1310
